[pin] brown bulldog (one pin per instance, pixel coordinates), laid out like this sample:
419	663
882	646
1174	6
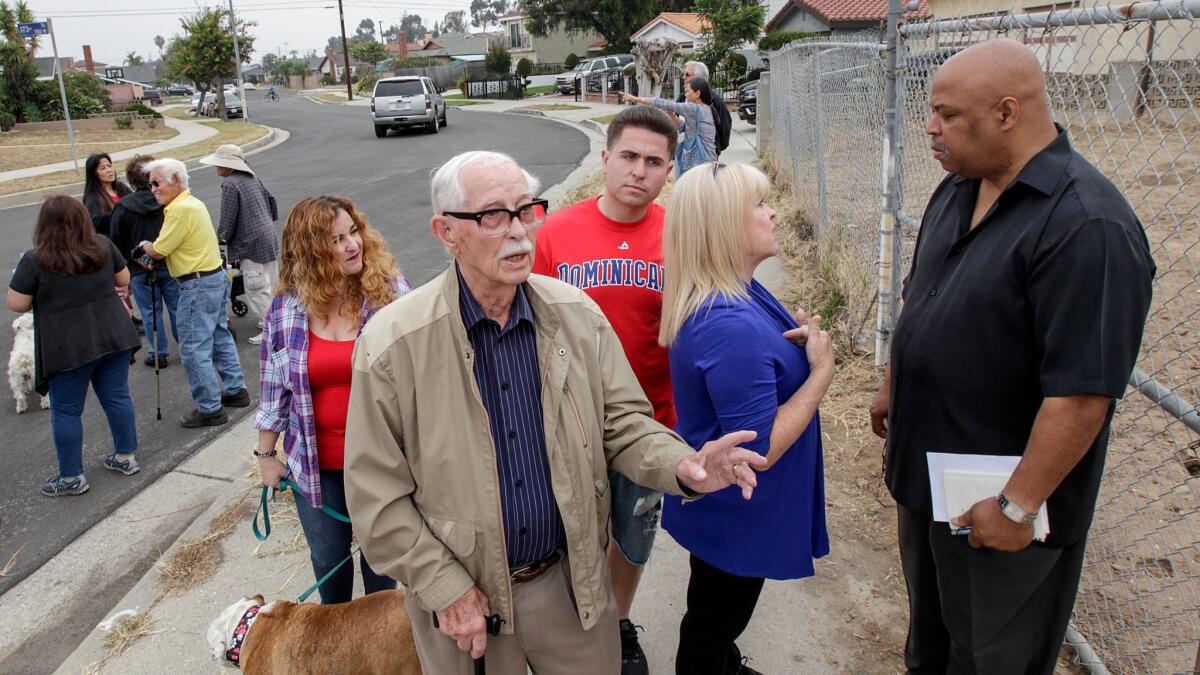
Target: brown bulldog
369	635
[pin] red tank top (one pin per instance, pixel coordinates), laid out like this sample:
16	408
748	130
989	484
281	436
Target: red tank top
329	372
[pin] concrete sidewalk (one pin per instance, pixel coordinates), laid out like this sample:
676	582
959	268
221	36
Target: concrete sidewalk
189	132
793	630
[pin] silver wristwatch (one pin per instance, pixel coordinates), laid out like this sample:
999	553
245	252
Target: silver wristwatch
1014	512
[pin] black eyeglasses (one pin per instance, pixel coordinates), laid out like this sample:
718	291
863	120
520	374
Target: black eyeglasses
498	222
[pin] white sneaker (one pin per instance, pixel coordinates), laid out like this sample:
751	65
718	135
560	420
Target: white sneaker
255	339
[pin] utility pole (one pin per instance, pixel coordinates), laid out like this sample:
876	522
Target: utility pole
345	52
237	62
62	90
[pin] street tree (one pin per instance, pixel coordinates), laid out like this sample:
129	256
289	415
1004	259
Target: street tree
18	86
412	27
389	35
160	43
728	25
368	51
365	30
204	54
485	12
455	22
614	20
334	43
134	59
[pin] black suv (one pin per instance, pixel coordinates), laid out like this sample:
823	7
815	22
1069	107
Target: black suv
748	102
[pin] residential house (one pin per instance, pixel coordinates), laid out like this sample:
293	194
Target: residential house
836	17
685	28
1094	67
465	47
334	65
553	48
403	48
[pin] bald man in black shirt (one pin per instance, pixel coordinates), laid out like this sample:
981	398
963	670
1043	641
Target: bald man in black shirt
1023	314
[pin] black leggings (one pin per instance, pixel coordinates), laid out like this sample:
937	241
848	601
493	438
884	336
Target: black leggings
719	606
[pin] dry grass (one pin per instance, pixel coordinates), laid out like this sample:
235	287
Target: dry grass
19	150
126	631
329	98
236	132
7	569
195	562
603	119
552	106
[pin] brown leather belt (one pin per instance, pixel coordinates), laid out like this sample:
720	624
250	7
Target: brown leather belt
535	569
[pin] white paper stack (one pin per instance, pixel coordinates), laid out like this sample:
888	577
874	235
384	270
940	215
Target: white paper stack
957	482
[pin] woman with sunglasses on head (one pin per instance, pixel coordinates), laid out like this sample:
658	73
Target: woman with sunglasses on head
335	273
102	189
695	115
739	360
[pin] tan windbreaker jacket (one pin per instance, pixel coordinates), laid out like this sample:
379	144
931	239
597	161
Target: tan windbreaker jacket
421	477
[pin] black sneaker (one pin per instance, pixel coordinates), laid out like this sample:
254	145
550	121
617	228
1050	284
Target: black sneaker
633	659
198	419
60	486
162	361
739	666
238	399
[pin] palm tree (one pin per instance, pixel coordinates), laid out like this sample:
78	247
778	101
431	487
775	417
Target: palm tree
134	59
160	43
16	57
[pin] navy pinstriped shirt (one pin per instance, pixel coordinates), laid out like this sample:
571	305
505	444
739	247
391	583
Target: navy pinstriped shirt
506	370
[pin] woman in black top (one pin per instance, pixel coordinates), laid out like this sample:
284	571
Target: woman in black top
81	335
101	190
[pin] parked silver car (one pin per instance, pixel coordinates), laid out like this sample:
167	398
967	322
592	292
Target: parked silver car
407	101
589	70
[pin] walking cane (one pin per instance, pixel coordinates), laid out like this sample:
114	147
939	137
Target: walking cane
152	281
493	628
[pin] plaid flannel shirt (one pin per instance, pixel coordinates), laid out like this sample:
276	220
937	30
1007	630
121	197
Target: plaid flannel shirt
285	398
247	223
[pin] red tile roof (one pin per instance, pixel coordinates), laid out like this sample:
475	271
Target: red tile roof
688	21
845	11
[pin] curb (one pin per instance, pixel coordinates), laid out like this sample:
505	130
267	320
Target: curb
35	196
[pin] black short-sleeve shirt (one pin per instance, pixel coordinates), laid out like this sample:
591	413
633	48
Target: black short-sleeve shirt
1047	296
76	319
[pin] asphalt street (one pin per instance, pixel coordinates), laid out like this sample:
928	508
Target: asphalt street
332	149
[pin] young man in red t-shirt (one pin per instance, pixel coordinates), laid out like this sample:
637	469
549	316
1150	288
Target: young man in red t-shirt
611	247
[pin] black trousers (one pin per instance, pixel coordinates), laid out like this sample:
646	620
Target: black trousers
981	611
719	606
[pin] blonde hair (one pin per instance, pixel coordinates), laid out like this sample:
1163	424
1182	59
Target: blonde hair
705	238
310	265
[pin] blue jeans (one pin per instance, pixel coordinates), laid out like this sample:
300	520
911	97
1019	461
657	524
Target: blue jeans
205	341
329	544
166	292
109	376
634	532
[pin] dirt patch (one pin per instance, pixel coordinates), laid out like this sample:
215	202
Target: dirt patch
19	150
236	132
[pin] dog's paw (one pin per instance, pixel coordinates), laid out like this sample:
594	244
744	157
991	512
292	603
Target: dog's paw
22	406
45	403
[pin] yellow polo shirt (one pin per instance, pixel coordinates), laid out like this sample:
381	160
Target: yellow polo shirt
188	238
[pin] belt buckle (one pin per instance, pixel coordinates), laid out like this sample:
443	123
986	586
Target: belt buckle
535	569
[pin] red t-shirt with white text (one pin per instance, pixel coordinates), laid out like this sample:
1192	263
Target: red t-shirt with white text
619	265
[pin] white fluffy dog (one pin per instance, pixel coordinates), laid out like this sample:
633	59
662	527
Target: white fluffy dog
20	362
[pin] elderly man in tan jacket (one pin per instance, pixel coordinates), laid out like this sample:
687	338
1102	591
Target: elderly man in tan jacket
485	410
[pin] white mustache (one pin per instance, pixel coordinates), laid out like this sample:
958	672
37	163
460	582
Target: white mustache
515	248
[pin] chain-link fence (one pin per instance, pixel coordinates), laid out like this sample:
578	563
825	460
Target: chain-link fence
1125	83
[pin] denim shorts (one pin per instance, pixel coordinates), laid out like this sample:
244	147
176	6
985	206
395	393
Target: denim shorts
635	514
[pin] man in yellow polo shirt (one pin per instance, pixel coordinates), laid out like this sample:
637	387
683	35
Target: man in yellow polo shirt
188	242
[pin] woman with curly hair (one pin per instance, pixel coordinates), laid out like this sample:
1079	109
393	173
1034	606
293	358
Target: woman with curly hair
335	273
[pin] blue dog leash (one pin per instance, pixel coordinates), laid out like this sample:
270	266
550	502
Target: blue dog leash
265	532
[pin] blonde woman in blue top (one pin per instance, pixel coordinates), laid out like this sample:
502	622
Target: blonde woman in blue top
739	360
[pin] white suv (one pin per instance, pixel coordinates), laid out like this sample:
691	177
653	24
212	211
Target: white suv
565	83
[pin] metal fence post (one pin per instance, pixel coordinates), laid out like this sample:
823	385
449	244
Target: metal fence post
889	235
819	138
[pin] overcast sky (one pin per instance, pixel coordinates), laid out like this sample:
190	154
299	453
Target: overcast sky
283	25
